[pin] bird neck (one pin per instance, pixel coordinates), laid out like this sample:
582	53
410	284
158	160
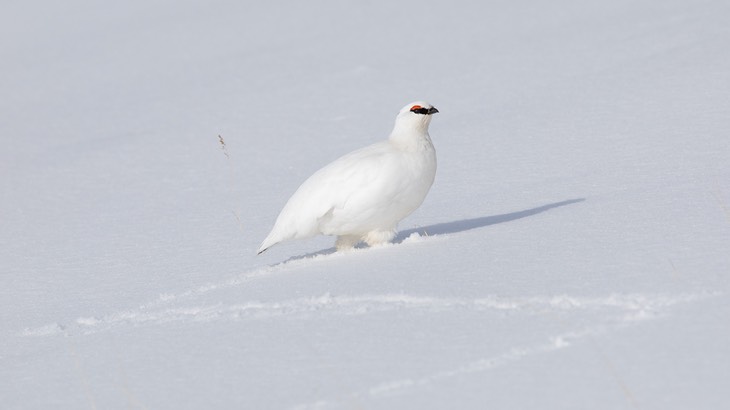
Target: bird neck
411	134
411	141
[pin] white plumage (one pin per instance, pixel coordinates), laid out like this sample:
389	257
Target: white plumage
363	195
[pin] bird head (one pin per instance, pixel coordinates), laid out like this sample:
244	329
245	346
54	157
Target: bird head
419	108
414	117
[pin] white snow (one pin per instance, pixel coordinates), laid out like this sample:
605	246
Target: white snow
573	252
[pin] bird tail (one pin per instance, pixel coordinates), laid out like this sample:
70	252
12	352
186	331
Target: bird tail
270	241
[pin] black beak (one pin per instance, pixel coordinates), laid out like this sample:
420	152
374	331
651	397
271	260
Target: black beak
432	110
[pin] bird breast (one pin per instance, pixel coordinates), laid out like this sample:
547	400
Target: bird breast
377	187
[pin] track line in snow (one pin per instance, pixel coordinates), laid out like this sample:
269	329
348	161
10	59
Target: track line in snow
395	386
638	305
238	280
292	262
622	307
169	298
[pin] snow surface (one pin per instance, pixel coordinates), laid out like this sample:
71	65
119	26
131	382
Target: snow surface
573	253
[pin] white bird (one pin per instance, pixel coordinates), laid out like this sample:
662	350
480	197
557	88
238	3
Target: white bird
363	195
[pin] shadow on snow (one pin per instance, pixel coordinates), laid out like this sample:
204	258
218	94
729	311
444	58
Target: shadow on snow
446	228
474	223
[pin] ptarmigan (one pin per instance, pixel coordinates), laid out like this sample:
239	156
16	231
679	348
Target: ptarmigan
363	195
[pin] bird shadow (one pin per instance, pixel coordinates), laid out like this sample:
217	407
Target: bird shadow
463	225
446	228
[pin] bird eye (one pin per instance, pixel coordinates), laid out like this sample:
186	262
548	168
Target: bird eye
417	109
